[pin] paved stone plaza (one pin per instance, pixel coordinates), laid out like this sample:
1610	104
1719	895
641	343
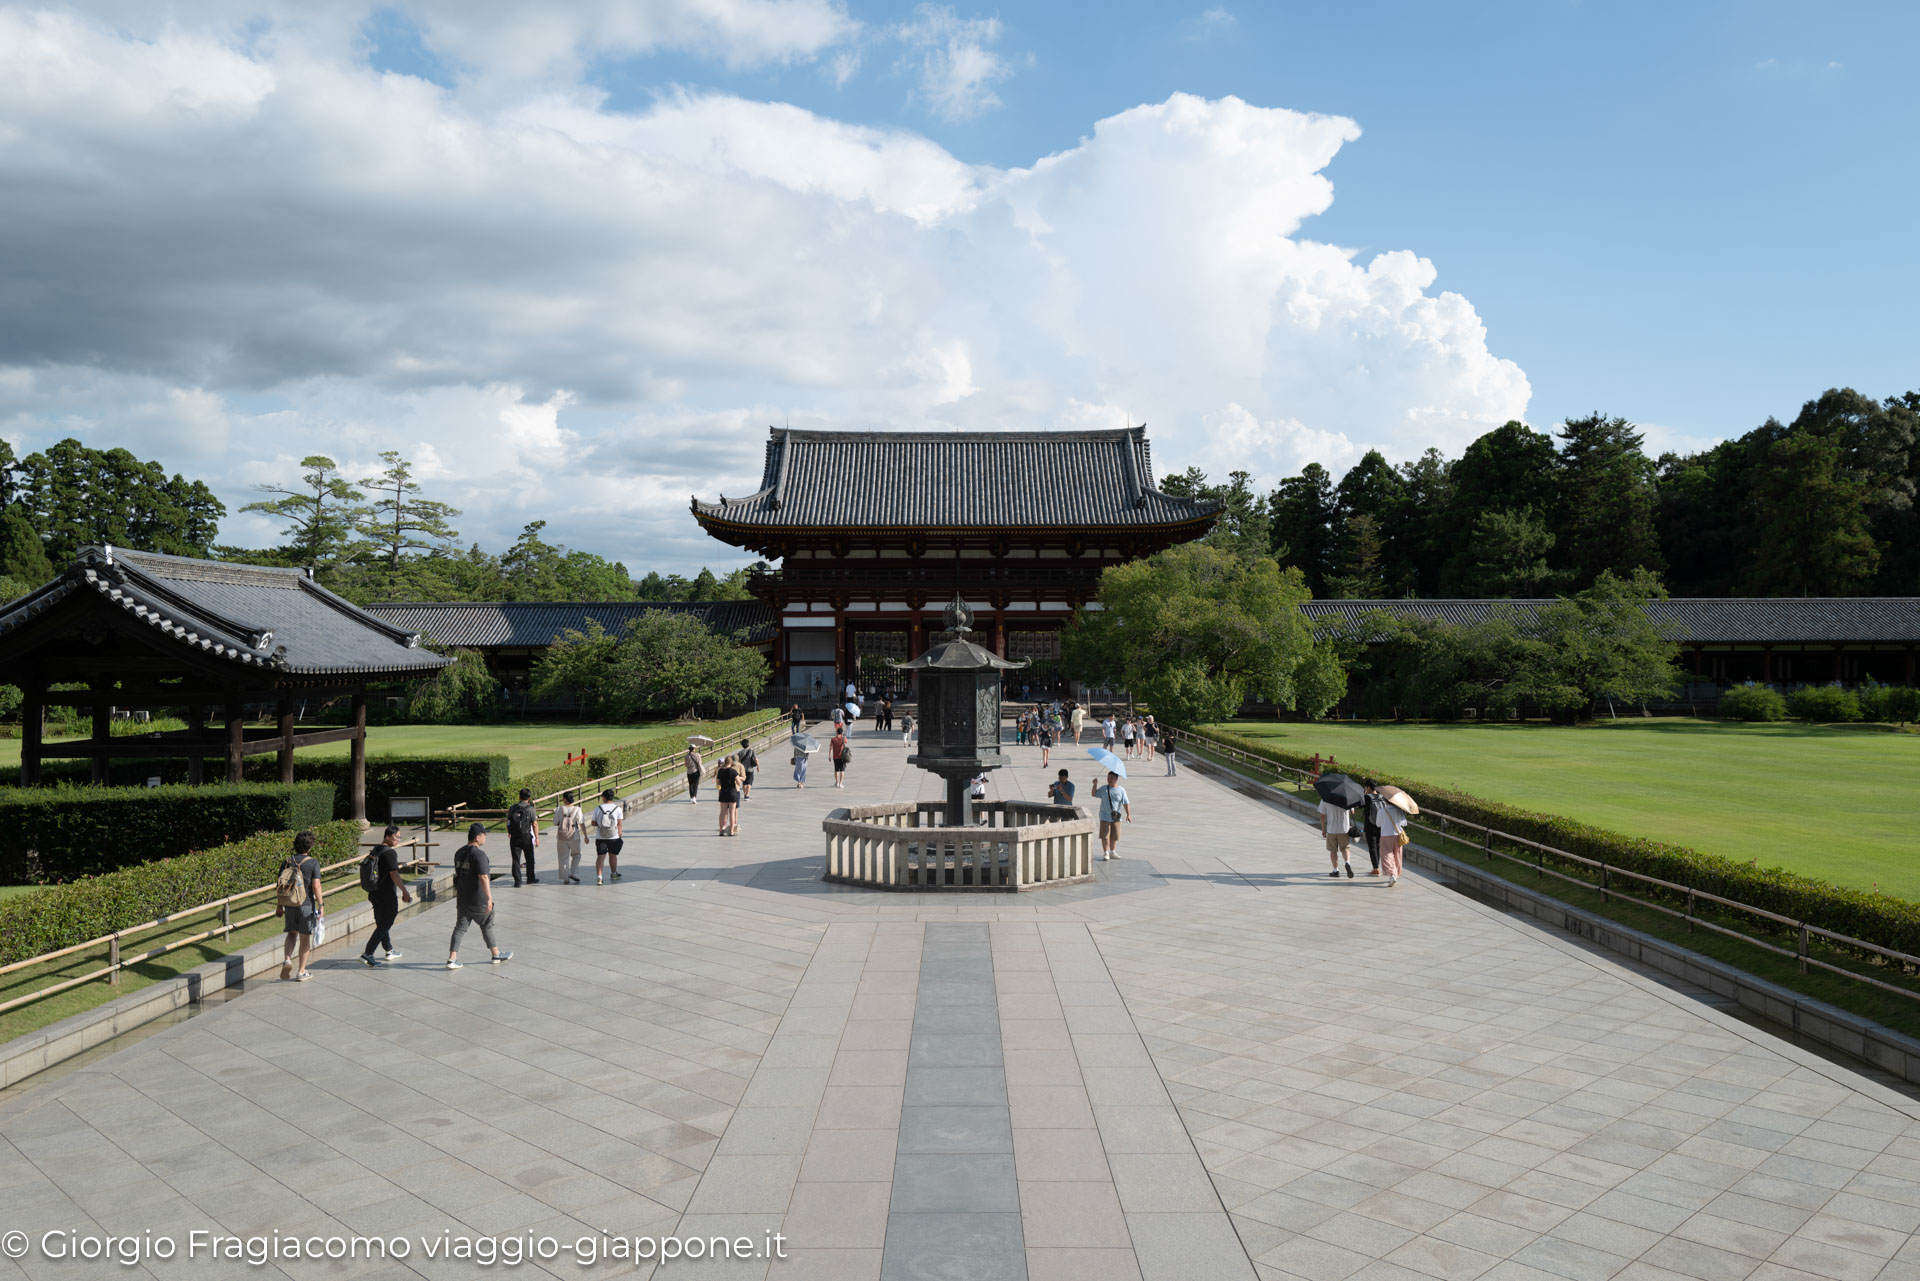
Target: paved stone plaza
1213	1063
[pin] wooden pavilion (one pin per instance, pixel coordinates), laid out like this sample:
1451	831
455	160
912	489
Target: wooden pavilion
123	630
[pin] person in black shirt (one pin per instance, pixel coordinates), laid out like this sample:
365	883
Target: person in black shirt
473	896
523	835
749	762
389	892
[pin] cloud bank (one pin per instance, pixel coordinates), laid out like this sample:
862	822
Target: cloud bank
234	243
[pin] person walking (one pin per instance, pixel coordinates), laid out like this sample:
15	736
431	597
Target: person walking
1060	792
1393	839
569	830
380	877
1149	732
297	891
1078	719
797	719
1129	729
839	749
1167	751
523	835
749	762
1046	742
693	774
1336	825
726	781
1107	731
473	897
609	835
799	765
906	729
1114	807
1370	819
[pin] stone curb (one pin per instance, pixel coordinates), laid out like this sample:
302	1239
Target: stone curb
57	1042
1892	1052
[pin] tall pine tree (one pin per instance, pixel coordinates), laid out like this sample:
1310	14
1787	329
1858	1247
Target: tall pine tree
1607	502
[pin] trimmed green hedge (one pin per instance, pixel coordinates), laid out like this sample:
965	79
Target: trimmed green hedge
62	915
666	742
1877	918
479	780
59	833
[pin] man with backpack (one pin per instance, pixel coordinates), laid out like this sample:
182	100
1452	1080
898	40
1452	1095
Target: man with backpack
380	878
749	761
297	893
609	821
473	896
569	828
523	835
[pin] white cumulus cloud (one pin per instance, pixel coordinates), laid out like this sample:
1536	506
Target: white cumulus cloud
233	243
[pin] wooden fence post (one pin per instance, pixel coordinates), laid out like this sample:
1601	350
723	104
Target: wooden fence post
1803	947
113	959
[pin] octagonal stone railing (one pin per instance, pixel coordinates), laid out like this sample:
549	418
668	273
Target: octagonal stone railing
1017	845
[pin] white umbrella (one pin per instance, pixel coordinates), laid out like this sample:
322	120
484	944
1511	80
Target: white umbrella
853	709
699	740
1399	800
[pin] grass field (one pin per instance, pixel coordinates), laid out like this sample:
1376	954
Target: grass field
1830	802
531	745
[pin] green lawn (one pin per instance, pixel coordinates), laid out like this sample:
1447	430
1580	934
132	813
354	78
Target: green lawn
531	745
1828	802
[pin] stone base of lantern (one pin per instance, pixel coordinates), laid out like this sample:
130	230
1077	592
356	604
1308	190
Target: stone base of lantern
1011	846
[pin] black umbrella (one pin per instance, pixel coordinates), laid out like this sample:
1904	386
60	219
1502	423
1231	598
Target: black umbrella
1339	789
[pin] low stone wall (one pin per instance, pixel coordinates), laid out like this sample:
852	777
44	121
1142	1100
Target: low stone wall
903	846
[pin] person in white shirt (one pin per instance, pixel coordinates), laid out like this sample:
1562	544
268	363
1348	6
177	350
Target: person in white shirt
609	824
569	827
1114	807
1106	732
1336	824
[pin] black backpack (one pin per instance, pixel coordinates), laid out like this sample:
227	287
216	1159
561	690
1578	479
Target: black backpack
370	870
520	820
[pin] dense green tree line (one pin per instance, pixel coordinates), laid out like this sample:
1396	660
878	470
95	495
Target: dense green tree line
1819	506
58	500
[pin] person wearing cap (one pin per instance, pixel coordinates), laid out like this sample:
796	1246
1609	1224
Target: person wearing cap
1114	807
473	896
609	825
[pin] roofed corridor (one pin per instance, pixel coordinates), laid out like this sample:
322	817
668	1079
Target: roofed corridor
1214	1062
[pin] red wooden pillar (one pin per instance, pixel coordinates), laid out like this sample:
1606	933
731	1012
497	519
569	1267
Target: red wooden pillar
842	655
236	743
357	758
285	728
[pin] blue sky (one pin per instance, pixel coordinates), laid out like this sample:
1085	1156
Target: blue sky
1693	214
573	259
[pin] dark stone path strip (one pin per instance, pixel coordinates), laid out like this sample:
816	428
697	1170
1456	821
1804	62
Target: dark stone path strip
956	1204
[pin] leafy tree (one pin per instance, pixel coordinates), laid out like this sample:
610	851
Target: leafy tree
464	692
1303	513
322	513
1813	536
1244	527
1196	630
23	557
534	569
73	495
1361	552
1510	469
1596	644
665	661
1374	490
1607	499
658	586
1507	552
400	524
1423	538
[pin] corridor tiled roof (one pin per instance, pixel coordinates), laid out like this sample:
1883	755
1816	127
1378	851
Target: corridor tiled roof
255	616
955	479
1751	620
537	624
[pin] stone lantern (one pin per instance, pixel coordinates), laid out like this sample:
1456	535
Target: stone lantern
959	699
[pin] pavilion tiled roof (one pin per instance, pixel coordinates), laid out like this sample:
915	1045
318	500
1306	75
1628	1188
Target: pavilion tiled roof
955	479
537	624
273	620
1751	620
